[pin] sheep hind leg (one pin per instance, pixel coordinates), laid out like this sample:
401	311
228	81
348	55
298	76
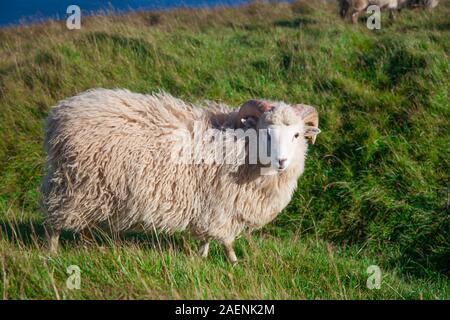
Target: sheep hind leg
52	239
344	6
204	249
229	250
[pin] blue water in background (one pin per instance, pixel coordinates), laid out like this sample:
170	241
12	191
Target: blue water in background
14	11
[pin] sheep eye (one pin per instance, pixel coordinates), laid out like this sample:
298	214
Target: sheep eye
297	135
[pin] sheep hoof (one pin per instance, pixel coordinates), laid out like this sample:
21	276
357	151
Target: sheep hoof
231	255
53	250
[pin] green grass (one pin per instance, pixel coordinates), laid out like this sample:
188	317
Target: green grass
376	186
142	266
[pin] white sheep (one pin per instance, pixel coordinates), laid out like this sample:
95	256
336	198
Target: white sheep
110	165
357	7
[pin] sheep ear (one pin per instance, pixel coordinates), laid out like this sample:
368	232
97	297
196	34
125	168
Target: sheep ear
249	122
311	133
311	120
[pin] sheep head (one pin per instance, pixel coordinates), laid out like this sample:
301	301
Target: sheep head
280	128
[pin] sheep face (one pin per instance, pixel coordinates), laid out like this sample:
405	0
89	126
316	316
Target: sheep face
284	142
283	136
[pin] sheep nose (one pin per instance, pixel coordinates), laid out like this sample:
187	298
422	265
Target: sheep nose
282	163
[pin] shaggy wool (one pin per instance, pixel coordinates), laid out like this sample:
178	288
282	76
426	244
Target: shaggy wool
110	165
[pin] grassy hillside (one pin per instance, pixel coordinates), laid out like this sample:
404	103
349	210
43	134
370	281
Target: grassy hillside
376	187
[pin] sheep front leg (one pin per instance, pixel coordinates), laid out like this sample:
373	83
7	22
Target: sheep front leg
355	17
229	250
204	249
392	14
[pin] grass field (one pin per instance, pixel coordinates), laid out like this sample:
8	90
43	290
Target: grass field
376	186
